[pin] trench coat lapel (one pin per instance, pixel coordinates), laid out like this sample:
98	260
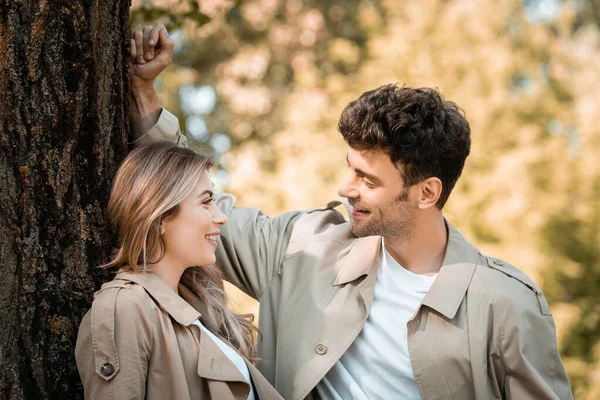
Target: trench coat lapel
335	323
445	297
207	347
185	309
213	363
447	292
199	305
264	389
357	260
453	280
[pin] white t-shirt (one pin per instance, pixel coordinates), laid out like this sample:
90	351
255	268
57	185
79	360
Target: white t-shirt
377	365
235	358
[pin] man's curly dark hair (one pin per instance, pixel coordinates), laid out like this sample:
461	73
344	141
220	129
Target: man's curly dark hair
427	135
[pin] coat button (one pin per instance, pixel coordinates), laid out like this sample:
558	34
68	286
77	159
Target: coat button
107	369
321	349
497	262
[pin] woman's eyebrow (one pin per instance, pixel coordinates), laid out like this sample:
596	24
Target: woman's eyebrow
210	193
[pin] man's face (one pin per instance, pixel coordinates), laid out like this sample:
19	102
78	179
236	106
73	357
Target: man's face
380	204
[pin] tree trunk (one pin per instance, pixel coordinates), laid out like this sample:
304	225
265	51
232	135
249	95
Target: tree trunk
63	133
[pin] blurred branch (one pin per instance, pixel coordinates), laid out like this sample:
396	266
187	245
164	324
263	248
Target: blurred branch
595	11
146	14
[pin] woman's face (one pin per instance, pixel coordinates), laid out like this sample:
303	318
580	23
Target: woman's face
190	236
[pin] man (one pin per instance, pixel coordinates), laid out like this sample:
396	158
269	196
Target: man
395	303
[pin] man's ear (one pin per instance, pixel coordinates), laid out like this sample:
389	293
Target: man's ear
430	191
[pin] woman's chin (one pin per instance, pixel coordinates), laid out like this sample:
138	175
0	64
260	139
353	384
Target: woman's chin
209	261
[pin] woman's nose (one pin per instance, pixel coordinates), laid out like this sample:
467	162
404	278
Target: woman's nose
219	218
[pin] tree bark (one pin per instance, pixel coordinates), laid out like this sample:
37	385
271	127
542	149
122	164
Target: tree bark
63	133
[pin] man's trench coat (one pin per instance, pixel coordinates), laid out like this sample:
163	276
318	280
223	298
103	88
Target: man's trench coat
484	331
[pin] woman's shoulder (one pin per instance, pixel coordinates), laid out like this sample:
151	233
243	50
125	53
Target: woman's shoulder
126	300
121	309
117	305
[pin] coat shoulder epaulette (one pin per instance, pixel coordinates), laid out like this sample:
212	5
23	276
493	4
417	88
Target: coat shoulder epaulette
319	225
330	206
514	273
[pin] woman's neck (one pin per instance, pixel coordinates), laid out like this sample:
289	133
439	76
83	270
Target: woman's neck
170	272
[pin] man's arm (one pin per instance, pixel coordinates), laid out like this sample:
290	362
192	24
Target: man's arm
251	245
151	52
533	368
144	110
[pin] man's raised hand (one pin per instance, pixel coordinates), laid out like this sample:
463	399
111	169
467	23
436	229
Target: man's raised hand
151	52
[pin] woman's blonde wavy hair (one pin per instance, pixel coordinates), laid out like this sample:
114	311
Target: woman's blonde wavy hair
149	186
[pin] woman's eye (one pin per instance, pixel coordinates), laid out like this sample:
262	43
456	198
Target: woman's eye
208	201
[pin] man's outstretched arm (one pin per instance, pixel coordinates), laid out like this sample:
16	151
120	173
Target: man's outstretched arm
151	52
251	245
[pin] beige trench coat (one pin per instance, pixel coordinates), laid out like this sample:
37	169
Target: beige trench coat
138	341
484	331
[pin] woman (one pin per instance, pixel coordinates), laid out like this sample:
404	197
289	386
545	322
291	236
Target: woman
160	329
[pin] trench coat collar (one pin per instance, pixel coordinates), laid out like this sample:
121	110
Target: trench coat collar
192	299
448	290
453	280
359	258
180	310
186	309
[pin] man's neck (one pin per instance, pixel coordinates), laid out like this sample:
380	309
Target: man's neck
424	250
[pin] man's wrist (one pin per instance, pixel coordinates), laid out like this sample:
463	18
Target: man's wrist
144	99
145	107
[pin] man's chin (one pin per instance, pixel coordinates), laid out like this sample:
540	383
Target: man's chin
358	229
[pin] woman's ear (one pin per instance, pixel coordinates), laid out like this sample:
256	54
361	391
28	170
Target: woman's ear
161	226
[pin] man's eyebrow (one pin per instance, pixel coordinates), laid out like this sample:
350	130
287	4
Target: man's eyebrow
360	172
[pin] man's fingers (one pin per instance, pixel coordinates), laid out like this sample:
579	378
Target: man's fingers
154	34
165	50
132	50
166	40
148	50
138	36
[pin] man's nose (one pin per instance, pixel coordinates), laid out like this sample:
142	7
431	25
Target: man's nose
347	190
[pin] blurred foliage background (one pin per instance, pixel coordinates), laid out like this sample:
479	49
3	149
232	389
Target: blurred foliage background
261	84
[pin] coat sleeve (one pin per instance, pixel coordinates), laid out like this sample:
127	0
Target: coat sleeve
252	245
114	344
165	129
532	366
